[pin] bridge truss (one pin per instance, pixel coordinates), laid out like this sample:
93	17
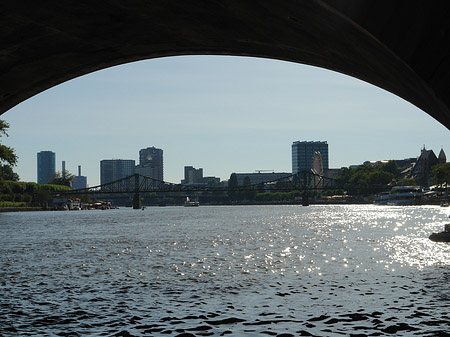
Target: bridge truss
136	183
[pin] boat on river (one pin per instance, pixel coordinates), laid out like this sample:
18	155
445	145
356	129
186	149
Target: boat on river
441	236
190	203
405	196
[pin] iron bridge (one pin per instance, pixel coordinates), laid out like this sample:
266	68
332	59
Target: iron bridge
136	183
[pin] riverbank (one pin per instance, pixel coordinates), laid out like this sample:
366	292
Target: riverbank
267	203
21	209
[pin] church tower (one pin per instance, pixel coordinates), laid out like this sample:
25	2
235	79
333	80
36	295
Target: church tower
442	157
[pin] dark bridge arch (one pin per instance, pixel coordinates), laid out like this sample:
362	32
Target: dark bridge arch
401	46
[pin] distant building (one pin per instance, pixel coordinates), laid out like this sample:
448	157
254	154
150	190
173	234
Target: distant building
192	175
258	178
151	163
79	181
147	171
45	166
303	155
442	158
422	170
425	162
115	169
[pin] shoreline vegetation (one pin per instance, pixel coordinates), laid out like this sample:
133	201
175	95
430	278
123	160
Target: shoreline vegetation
20	196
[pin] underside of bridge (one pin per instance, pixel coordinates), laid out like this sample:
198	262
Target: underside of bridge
401	46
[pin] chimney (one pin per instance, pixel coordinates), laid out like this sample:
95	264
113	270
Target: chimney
79	170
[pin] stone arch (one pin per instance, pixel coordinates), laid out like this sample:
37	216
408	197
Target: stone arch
400	47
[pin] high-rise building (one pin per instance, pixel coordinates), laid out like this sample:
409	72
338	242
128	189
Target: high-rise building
192	175
45	166
303	154
115	169
151	163
79	181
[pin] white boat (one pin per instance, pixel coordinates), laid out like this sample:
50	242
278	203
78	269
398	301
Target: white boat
405	196
189	203
382	199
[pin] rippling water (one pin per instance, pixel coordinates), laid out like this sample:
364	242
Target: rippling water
211	271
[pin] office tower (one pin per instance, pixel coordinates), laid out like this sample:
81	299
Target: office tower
303	153
115	169
151	163
79	181
45	166
192	175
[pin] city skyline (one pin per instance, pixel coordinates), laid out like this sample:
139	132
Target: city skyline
224	114
193	175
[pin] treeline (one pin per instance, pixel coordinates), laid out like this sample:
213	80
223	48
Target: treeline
13	193
371	179
365	179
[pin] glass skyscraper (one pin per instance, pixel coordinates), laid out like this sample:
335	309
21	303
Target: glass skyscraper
303	153
115	169
45	166
151	163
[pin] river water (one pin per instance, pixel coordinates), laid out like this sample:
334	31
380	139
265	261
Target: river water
353	270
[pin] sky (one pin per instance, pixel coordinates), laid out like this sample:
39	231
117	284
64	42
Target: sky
224	114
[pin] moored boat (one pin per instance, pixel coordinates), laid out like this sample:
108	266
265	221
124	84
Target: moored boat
441	236
405	196
189	203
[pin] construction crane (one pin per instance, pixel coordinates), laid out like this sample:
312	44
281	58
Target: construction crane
259	171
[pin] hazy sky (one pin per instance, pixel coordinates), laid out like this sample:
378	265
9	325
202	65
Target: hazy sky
224	114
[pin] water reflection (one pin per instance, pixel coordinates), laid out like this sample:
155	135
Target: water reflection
320	270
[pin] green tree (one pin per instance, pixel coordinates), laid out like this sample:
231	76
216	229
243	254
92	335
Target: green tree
392	167
250	193
441	174
357	180
7	173
233	185
64	178
8	157
380	177
42	196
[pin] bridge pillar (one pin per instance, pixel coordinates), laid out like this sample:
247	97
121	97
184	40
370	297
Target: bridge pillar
305	199
137	201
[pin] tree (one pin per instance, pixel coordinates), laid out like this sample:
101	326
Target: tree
441	174
64	178
380	177
7	173
392	167
357	180
7	156
249	194
233	184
